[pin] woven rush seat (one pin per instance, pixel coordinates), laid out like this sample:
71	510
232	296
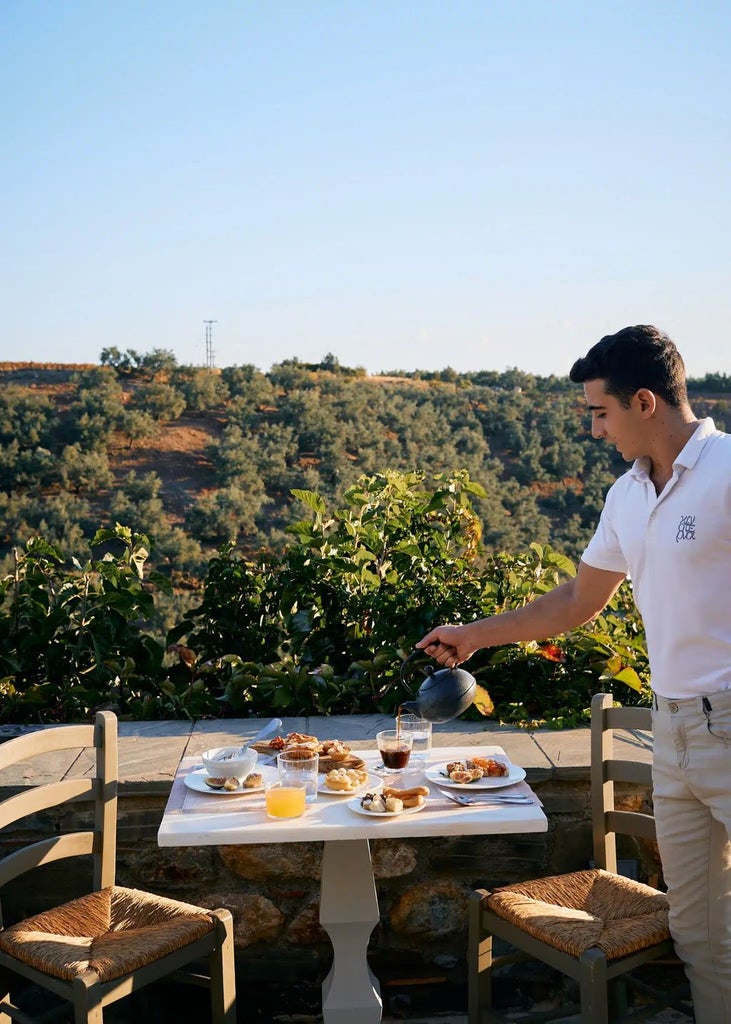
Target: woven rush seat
576	911
99	948
112	932
595	926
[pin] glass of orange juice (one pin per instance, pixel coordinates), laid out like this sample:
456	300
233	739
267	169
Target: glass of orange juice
285	798
300	766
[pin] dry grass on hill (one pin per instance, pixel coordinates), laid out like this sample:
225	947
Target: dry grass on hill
177	452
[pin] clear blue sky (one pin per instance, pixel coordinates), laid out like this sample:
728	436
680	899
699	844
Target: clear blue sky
406	185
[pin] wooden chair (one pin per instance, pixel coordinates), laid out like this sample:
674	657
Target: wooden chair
593	925
101	946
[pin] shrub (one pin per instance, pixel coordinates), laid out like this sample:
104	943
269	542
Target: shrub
70	639
323	628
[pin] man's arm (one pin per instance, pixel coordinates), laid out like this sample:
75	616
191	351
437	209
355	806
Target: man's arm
564	608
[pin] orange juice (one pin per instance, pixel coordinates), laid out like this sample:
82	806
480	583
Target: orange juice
285	801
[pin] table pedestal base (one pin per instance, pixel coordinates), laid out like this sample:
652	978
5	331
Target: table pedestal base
349	913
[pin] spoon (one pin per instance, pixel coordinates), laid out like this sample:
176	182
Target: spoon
276	723
269	727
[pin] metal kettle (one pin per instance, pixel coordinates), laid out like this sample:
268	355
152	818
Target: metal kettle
444	694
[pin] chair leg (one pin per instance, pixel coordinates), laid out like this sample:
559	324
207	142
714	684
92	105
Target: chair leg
5	1018
223	972
593	987
88	1007
479	963
617	998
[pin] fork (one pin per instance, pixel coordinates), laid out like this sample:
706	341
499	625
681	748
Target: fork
468	801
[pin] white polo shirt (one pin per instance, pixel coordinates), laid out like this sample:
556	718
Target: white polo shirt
676	549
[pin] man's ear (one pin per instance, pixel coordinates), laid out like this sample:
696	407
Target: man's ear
647	402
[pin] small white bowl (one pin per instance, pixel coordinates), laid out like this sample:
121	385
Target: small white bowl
234	761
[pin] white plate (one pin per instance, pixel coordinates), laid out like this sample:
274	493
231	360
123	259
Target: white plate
372	782
355	805
434	774
197	781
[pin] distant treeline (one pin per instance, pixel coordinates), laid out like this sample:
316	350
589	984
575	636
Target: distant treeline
88	449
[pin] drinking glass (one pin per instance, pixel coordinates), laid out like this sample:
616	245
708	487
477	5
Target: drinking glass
285	799
395	749
420	731
300	766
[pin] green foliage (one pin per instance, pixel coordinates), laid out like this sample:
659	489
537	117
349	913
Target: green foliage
226	513
201	388
710	382
303	426
97	408
552	682
62	519
321	629
70	637
160	401
324	628
138	425
26	418
129	362
81	471
309	605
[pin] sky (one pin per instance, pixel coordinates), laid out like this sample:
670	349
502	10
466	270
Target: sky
403	185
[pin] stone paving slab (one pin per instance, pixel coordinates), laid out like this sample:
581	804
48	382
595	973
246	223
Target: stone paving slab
37	771
566	752
149	752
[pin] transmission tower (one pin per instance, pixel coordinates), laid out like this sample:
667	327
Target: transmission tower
210	361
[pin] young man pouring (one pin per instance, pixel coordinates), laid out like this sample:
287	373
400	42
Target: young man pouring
667	525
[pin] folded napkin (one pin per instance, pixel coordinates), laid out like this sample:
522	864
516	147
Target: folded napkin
215	804
184	800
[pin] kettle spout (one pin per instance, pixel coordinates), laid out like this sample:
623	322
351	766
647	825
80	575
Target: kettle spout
433	711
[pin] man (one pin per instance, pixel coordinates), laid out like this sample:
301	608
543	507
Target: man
666	524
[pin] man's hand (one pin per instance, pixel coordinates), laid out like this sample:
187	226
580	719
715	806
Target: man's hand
449	645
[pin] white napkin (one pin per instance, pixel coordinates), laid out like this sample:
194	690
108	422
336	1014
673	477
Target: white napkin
184	800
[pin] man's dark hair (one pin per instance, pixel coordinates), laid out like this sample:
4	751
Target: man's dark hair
634	358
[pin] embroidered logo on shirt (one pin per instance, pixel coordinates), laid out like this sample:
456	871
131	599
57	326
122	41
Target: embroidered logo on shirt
686	529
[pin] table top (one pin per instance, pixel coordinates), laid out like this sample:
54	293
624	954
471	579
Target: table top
197	819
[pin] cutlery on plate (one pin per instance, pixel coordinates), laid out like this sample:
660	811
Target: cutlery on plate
468	801
276	723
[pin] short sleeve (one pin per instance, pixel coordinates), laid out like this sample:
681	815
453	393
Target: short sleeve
603	550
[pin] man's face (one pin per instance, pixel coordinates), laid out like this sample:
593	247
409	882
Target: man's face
621	426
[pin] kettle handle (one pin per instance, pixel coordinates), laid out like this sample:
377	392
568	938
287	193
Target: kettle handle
429	669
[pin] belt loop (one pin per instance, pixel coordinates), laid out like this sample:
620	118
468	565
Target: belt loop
707	708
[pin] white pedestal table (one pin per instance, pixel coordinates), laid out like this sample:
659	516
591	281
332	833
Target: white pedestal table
348	898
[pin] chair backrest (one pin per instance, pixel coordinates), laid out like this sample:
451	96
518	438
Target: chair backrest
607	821
98	784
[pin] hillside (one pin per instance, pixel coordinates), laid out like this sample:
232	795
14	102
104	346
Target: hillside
178	453
198	457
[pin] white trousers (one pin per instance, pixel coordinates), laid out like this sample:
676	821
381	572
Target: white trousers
692	799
